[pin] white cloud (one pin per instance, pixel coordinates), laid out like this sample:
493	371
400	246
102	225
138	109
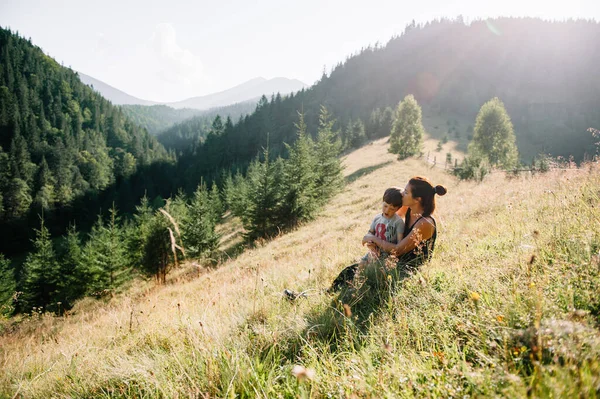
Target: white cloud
176	64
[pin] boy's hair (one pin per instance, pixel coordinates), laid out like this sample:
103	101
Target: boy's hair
393	196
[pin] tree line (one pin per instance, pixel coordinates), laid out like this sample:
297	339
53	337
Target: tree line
58	272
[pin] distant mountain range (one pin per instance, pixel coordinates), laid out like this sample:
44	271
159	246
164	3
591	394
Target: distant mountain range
249	90
113	94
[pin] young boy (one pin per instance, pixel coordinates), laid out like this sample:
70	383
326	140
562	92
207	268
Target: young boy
387	225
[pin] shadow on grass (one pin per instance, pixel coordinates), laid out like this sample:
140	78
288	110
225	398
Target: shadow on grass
345	323
365	171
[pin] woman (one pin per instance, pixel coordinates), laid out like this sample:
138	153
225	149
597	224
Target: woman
420	231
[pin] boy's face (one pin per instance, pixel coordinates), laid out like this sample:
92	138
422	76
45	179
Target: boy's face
388	210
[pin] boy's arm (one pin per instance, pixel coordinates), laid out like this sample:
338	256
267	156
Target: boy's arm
372	247
373	225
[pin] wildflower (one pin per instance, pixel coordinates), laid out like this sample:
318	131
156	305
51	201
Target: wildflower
531	285
302	372
500	318
475	296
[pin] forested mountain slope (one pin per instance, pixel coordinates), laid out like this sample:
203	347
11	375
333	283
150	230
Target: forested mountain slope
160	120
59	140
194	130
543	71
156	118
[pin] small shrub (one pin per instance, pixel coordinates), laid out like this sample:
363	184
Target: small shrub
472	168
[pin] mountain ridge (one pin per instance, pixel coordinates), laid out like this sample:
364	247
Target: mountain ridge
245	91
111	93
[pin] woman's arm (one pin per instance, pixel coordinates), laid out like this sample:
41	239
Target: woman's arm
422	231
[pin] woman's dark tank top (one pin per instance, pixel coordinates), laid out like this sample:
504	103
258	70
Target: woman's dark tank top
424	250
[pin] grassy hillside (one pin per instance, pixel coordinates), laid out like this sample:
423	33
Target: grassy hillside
508	306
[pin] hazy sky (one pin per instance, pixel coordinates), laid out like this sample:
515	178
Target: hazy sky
171	50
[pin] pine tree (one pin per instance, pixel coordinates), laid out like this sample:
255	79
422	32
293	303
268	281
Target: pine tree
300	178
263	198
386	122
157	249
114	245
105	255
217	127
162	245
346	135
372	125
40	281
199	230
4	170
73	284
235	191
4	179
493	136
44	199
357	136
20	159
7	287
328	167
216	203
93	259
406	138
63	172
138	235
18	198
228	193
178	208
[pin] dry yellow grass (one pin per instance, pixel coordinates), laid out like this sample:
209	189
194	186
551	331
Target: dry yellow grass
141	332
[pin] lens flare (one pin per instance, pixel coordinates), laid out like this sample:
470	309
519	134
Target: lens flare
492	28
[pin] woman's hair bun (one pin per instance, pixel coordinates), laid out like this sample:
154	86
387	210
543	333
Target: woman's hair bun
440	190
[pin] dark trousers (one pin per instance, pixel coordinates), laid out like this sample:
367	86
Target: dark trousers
344	278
